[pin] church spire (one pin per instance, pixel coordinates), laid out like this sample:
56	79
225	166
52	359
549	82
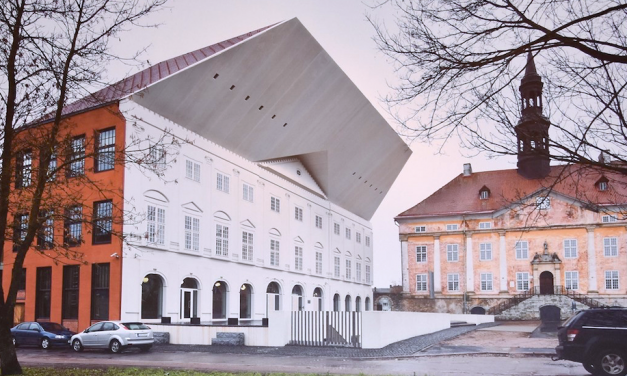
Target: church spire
532	130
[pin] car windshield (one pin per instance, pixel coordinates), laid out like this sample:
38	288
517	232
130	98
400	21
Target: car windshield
135	325
572	318
51	326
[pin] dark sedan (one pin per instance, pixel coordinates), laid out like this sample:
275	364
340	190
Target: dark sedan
42	334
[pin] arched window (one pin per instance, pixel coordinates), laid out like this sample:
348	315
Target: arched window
189	298
273	297
152	296
220	290
347	303
358	304
297	298
317	298
336	302
368	304
245	301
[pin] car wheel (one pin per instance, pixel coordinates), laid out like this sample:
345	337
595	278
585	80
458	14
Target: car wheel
77	345
589	367
610	362
145	348
115	346
15	344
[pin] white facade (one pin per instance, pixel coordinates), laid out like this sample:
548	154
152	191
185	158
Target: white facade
207	198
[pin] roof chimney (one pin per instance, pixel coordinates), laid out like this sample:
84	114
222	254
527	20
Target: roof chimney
467	169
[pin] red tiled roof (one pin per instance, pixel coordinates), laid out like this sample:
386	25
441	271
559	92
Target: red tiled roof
150	75
461	195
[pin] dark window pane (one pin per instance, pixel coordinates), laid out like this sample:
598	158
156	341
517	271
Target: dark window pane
23	168
71	274
76	157
73	226
103	221
100	292
105	150
42	296
152	295
45	236
20	225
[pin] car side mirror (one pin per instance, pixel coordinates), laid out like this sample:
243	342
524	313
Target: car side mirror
86	330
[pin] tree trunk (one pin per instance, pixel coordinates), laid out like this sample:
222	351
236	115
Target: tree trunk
8	357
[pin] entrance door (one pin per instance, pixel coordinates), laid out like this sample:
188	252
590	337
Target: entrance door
189	303
546	283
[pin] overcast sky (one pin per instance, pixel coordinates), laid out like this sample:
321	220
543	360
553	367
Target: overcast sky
340	26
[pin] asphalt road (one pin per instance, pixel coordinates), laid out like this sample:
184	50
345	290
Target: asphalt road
162	357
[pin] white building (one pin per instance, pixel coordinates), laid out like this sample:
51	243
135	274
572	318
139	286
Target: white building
264	204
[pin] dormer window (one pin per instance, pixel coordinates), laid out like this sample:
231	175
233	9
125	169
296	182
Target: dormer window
602	184
543	203
484	193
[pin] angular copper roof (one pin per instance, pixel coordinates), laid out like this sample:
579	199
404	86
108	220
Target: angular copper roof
150	75
460	196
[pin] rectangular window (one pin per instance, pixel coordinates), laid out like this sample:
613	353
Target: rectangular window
318	221
73	226
247	246
223	182
358	272
336	267
522	281
609	218
367	241
522	249
42	296
421	253
45	235
452	227
20	226
105	150
76	157
248	193
358	237
222	240
52	167
348	233
155	225
318	262
485	251
102	222
192	170
543	203
421	282
570	248
157	157
298	258
100	291
610	247
420	229
336	228
611	279
275	204
71	280
486	281
367	273
23	169
485	225
453	282
192	234
349	269
572	280
452	252
298	214
274	252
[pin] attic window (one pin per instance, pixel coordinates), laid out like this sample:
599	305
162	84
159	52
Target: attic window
602	184
484	193
543	203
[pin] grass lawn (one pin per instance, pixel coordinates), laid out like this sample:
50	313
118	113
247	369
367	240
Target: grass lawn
41	371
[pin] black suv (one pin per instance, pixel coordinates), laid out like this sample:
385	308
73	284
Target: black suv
596	338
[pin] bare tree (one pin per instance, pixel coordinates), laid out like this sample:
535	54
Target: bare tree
460	63
51	52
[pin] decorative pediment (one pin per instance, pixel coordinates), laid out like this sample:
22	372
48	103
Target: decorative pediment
275	232
348	254
191	206
222	216
358	257
156	195
336	250
298	239
367	259
247	223
318	245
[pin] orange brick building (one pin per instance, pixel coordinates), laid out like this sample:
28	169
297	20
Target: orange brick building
487	236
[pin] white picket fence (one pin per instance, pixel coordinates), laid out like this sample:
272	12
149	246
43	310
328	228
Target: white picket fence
326	328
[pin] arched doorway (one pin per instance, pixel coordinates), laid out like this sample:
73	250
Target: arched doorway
358	304
245	301
297	298
152	296
477	311
219	300
336	302
347	303
273	297
368	303
546	283
317	295
189	298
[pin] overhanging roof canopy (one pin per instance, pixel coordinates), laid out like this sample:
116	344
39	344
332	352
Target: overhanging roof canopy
278	94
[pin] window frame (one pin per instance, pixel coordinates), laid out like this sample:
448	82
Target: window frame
192	170
421	282
336	228
275	204
298	213
222	240
223	182
248	192
420	229
155	225
421	255
610	250
452	227
24	168
524	248
318	221
570	251
104	155
452	252
318	263
298	258
486	282
485	251
73	219
76	157
104	238
611	279
452	279
336	266
522	280
568	279
275	249
248	245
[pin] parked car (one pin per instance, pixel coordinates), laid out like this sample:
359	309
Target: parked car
42	334
596	338
115	336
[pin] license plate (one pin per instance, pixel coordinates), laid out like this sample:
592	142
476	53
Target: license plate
142	334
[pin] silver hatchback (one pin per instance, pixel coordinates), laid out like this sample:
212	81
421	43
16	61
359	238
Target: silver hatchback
115	336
